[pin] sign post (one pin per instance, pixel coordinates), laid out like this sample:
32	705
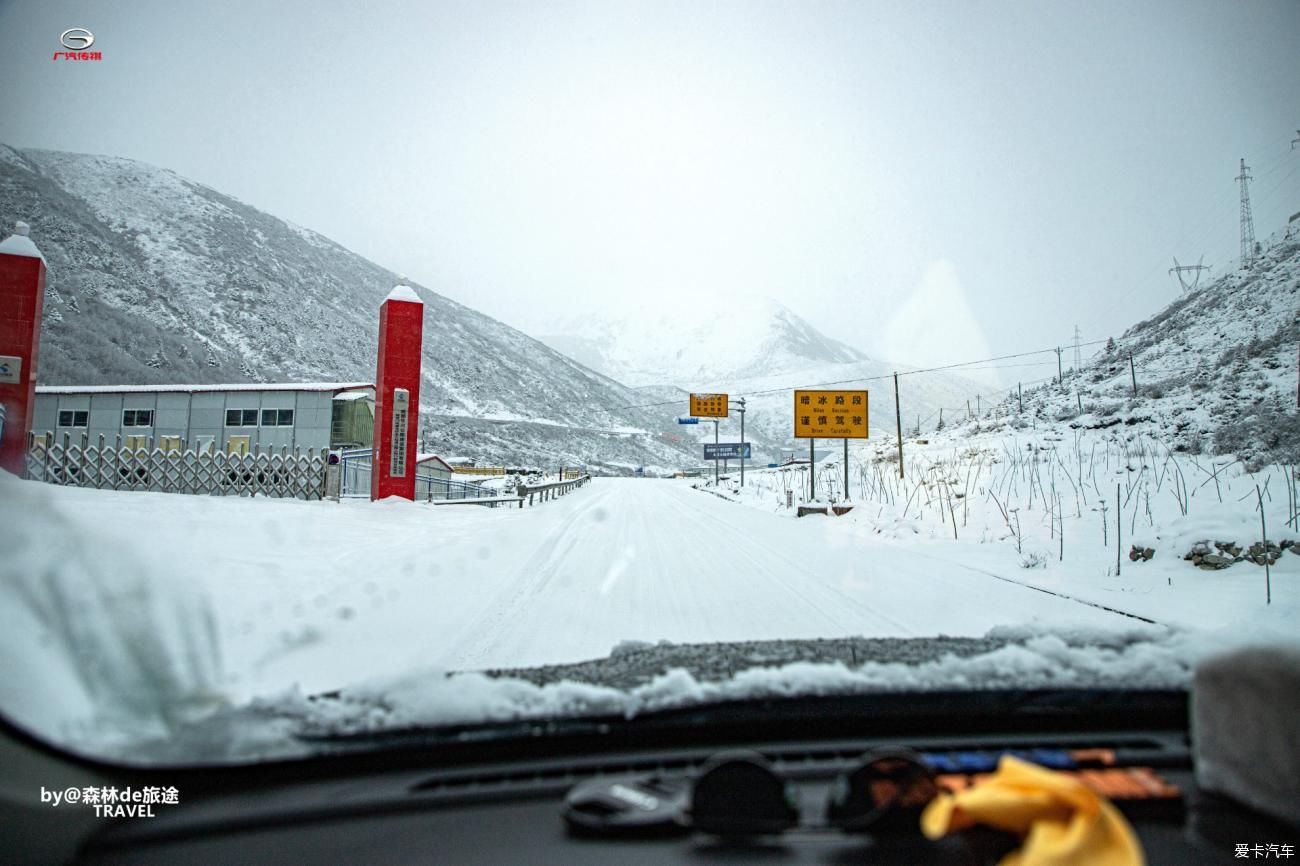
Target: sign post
710	406
741	410
727	451
829	415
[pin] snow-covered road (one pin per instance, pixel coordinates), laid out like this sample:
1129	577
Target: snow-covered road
655	560
319	595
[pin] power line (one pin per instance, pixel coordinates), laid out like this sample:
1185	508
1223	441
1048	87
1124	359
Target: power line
880	378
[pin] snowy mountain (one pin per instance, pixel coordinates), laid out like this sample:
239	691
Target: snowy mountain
706	342
759	350
156	279
1215	370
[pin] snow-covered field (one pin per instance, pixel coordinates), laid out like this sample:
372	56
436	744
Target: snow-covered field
126	615
1040	507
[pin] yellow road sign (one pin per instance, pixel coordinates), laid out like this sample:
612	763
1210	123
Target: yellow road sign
830	414
708	405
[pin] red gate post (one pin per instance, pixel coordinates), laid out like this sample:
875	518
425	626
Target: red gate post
22	295
397	394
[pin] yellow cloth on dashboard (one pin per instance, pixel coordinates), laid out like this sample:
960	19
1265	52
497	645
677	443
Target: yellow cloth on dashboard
1062	821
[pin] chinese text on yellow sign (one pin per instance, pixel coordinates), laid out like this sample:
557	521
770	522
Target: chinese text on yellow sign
708	405
830	414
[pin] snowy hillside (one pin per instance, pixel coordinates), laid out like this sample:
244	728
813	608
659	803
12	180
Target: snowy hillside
705	342
1216	370
1175	502
155	279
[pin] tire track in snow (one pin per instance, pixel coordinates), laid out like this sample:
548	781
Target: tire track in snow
486	634
1060	595
749	545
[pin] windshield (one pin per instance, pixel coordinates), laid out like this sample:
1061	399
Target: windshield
450	364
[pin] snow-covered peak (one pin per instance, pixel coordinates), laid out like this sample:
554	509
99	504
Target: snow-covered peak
709	340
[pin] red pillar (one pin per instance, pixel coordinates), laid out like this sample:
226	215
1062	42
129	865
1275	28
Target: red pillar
397	394
22	294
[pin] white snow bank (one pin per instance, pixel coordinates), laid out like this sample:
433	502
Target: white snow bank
1229	522
101	646
1140	658
238	386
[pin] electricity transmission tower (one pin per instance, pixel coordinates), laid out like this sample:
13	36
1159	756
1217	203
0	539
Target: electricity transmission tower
1078	358
1247	222
1195	270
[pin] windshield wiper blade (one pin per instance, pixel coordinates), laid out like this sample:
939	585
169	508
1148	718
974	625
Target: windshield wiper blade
813	716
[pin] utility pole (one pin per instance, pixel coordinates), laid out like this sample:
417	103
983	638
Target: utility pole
1133	372
1247	221
1060	375
812	469
1020	396
846	470
1295	140
715	452
741	410
898	418
1193	269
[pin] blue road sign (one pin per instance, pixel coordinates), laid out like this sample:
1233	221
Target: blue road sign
726	450
688	420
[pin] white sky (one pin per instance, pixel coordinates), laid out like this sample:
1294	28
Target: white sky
930	182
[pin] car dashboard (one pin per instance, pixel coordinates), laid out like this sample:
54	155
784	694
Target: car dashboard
491	809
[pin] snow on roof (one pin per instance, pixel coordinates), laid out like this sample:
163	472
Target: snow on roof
404	293
19	244
355	395
241	386
427	458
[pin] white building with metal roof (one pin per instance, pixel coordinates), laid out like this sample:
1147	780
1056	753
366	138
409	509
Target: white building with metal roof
234	418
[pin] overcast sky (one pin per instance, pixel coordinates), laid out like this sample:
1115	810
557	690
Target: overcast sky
930	182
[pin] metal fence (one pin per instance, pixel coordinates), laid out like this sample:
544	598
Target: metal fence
110	466
354	481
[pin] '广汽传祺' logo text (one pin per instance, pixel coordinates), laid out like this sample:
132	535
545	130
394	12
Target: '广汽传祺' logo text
77	40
